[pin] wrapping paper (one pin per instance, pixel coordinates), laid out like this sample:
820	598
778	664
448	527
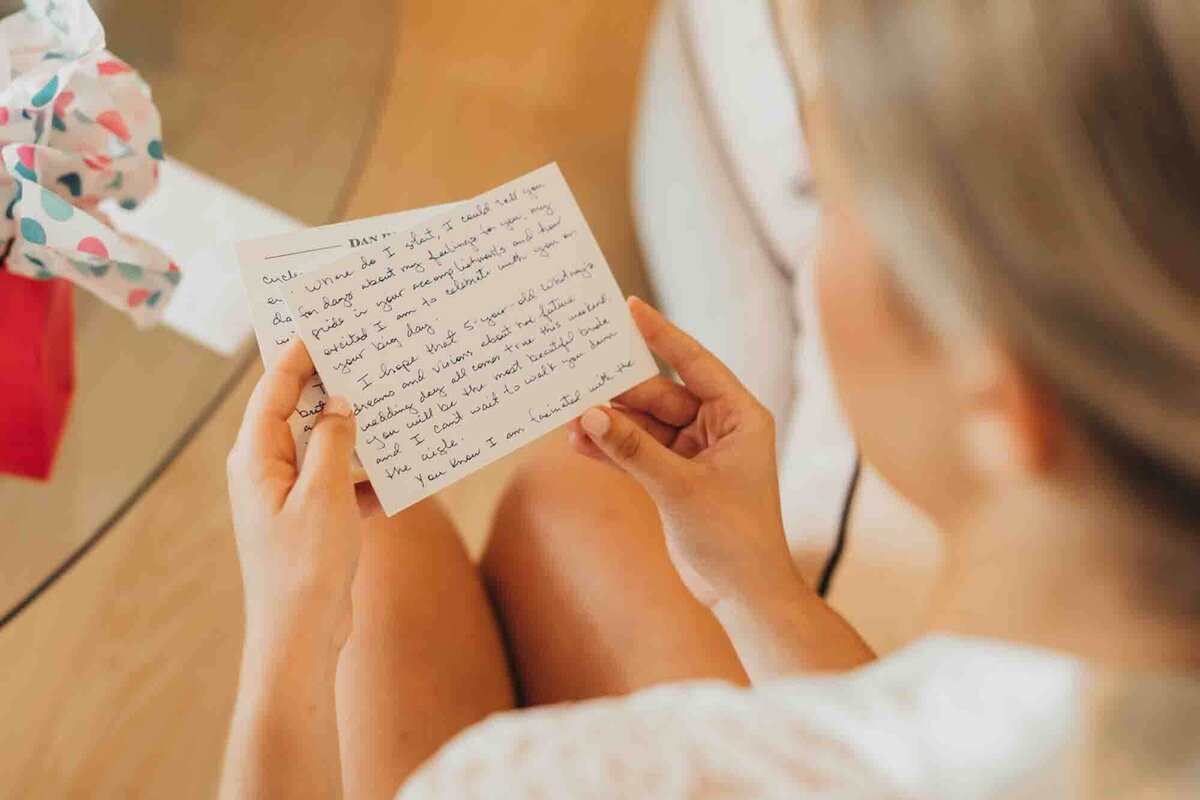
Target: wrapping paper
77	126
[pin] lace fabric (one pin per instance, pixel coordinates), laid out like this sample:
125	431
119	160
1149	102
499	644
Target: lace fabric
944	718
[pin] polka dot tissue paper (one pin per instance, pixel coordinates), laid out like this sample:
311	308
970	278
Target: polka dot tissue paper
77	126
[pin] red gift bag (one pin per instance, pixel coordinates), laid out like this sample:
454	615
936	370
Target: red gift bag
37	370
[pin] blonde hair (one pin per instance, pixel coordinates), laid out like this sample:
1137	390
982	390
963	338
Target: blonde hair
1034	166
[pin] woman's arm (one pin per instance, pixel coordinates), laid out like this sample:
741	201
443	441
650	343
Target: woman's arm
705	451
788	628
298	537
283	740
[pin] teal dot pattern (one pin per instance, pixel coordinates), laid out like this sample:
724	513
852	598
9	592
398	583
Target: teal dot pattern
32	231
47	93
55	207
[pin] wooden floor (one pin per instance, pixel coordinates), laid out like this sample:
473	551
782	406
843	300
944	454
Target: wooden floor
203	61
117	683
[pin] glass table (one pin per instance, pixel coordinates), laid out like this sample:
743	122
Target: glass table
275	98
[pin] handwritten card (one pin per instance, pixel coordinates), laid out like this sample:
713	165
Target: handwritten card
466	336
269	263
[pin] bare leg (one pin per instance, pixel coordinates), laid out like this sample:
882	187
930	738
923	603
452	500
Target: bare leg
580	577
425	658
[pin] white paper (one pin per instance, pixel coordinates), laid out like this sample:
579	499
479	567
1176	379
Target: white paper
271	262
470	334
197	219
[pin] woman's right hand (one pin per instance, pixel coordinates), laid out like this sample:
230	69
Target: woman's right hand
705	451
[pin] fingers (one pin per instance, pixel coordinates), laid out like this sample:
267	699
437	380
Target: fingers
327	460
690	442
634	450
701	371
663	433
582	443
278	390
368	501
664	399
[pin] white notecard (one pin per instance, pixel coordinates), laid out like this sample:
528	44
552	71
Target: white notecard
271	262
466	336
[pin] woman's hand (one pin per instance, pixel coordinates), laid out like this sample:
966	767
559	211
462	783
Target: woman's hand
298	532
298	538
705	452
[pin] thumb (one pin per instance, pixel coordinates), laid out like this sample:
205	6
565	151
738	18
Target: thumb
327	460
634	450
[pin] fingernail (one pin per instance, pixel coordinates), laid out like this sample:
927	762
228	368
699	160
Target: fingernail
339	406
595	422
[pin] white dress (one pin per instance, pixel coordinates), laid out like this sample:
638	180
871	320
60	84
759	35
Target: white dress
945	718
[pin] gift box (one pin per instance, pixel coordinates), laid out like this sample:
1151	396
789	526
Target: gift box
37	360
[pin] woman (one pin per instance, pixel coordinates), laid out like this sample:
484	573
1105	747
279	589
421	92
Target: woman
1011	301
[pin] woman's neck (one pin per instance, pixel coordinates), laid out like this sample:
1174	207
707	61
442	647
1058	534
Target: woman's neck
1088	577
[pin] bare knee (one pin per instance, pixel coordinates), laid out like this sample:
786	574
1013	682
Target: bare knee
559	500
426	518
405	557
585	590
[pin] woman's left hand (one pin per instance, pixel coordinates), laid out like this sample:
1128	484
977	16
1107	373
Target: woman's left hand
298	531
